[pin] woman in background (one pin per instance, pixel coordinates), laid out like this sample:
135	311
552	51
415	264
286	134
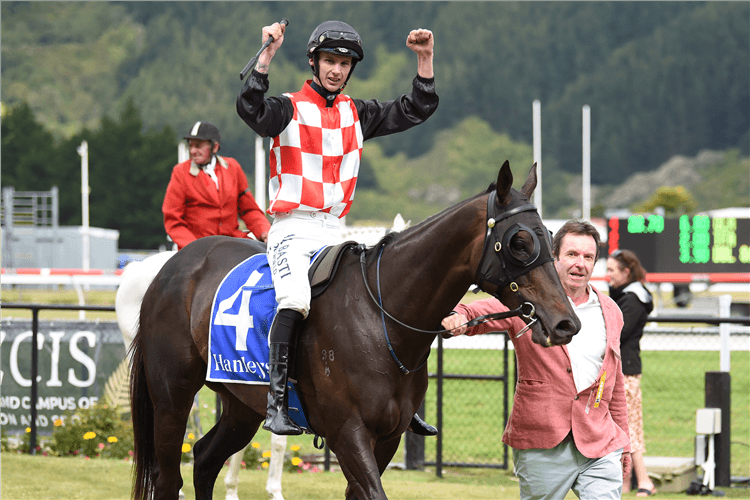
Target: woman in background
626	279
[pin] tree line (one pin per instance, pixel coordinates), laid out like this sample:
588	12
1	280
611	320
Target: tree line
129	170
662	78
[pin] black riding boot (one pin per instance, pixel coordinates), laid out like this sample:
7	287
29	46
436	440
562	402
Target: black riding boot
282	345
420	427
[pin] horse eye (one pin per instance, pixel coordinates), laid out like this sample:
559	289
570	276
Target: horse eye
519	243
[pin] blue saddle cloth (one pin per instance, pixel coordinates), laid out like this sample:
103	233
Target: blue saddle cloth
243	309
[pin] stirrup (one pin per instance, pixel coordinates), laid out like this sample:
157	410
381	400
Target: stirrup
420	427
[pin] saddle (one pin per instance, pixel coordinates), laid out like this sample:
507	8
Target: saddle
324	267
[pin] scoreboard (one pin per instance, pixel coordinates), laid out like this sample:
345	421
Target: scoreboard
697	244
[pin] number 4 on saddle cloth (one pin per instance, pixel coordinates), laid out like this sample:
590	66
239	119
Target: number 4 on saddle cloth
241	316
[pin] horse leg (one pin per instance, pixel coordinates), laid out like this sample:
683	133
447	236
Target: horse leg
354	451
232	479
172	394
384	452
170	423
237	425
273	484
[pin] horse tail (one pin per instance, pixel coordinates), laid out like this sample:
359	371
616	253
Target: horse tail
142	411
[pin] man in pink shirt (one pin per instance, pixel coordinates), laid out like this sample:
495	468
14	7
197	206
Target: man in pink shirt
569	423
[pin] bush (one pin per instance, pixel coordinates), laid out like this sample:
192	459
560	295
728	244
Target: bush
294	462
22	444
94	432
253	458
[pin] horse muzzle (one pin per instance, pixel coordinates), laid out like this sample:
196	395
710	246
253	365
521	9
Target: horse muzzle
561	334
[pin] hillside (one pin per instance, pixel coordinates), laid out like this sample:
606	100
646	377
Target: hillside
421	187
75	62
664	80
714	179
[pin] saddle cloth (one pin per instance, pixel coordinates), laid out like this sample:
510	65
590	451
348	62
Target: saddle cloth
241	316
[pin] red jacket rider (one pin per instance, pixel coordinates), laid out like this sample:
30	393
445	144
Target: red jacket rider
207	193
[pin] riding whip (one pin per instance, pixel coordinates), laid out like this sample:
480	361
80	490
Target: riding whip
252	61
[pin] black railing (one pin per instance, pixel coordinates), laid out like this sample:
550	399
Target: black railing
415	453
440	376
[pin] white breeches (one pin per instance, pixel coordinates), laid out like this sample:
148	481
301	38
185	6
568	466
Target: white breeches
294	238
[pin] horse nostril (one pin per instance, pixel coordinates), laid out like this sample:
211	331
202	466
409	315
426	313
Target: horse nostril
567	328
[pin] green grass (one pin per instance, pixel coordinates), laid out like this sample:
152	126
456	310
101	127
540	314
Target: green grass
673	386
40	478
673	389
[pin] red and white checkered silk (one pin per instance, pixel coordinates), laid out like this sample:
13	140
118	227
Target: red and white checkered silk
314	162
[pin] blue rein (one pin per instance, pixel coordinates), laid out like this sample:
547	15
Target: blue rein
385	329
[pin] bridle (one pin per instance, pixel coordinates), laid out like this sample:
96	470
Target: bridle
511	267
508	267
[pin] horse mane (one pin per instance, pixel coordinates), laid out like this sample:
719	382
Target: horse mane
395	236
388	238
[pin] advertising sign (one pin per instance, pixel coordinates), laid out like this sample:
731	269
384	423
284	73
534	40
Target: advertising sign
76	358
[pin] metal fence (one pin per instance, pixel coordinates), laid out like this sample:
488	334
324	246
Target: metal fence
471	379
471	386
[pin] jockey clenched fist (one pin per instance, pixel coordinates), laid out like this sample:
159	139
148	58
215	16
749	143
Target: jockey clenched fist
422	43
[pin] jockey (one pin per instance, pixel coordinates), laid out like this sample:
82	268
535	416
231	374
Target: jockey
317	139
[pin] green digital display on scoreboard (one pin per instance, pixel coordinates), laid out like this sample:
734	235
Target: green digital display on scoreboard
688	244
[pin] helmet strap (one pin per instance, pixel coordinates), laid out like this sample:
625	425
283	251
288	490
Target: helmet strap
316	64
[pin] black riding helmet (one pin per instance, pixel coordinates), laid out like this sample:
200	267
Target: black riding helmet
206	132
336	37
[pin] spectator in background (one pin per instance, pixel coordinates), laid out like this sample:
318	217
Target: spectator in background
207	193
569	424
626	279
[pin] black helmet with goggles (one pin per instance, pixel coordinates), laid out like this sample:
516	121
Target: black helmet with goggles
336	37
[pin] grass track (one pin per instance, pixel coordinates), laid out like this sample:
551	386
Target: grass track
40	478
673	386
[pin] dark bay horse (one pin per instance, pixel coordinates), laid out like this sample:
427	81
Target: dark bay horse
362	372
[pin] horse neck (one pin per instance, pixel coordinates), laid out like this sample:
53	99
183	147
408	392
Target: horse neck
434	263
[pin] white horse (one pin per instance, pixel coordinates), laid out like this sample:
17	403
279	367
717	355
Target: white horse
138	275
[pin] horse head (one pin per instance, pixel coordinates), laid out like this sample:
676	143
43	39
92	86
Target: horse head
517	265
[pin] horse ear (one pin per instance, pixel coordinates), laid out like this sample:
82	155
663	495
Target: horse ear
504	183
528	187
